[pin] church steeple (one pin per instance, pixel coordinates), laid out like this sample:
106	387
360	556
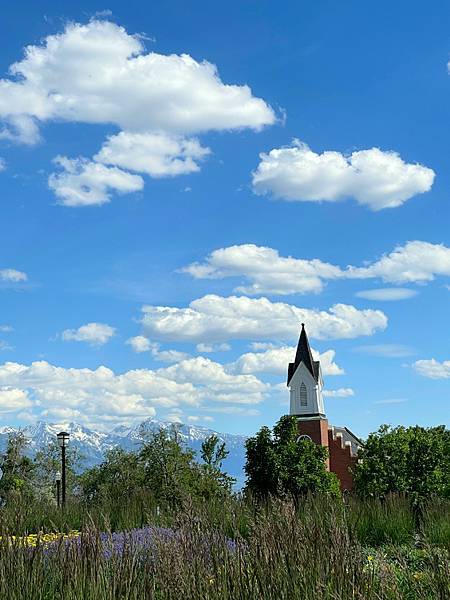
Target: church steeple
305	382
304	355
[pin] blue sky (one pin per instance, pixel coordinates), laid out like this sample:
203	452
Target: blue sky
174	190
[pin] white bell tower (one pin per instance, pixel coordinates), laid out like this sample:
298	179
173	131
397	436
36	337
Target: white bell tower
305	382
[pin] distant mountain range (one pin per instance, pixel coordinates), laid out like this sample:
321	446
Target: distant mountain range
92	444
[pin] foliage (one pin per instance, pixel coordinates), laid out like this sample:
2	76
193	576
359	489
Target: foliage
47	462
17	469
214	481
164	467
409	460
278	464
116	478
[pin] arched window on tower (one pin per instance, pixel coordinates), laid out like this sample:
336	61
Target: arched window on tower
303	395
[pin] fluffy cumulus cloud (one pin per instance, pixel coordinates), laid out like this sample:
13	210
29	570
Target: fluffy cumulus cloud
433	369
213	319
416	261
101	396
269	273
156	154
95	334
98	73
83	182
275	361
215	382
372	177
140	344
13	399
12	276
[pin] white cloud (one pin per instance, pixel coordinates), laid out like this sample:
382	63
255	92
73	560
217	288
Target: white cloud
140	344
157	154
97	73
168	356
416	261
196	418
275	360
4	346
6	328
13	399
339	393
206	348
216	383
235	410
85	183
95	334
12	276
214	319
21	129
267	271
391	401
2	164
433	369
387	350
374	178
387	294
100	396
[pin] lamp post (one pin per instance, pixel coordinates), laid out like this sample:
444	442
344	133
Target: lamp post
58	488
63	440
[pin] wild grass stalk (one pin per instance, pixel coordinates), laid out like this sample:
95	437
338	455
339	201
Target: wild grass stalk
316	548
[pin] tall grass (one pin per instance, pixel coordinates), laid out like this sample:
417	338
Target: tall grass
315	549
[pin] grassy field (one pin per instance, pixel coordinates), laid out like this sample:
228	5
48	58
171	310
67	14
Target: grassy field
316	549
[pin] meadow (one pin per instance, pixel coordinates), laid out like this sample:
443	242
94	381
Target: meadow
315	548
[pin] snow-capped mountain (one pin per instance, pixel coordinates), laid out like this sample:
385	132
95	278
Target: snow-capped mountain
92	444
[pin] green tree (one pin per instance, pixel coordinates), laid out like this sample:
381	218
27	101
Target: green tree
278	464
17	468
47	462
261	465
167	466
119	476
164	467
410	460
214	481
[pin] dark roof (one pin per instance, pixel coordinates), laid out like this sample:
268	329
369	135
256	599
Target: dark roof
304	355
349	436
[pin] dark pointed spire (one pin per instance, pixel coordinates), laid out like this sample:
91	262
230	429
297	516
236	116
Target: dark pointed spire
303	355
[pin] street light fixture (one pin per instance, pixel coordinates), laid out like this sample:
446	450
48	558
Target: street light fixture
58	487
63	441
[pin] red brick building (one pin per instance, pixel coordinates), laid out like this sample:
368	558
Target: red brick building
306	403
